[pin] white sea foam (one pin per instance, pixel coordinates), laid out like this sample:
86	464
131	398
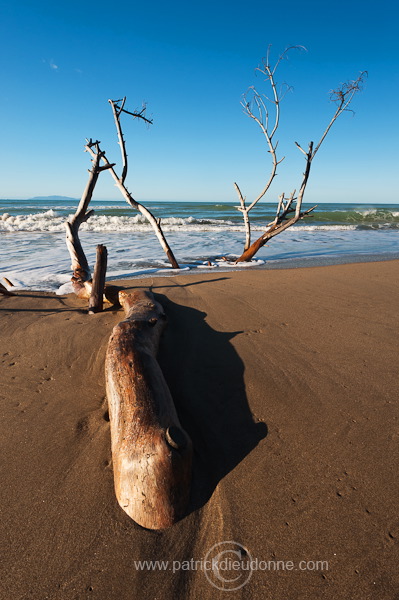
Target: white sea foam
327	227
50	221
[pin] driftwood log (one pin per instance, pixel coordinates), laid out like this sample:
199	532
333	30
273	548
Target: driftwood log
151	452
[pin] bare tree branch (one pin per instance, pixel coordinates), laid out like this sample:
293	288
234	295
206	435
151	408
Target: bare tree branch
244	211
140	207
342	97
117	109
281	224
80	267
139	114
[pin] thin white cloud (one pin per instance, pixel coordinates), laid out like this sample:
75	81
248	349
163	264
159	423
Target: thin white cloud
50	63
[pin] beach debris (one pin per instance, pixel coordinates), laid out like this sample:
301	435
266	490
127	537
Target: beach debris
151	452
98	284
265	111
5	291
82	283
8	282
117	110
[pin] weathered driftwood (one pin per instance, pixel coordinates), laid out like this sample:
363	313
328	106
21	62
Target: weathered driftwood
98	283
81	278
5	291
8	282
117	110
151	452
285	208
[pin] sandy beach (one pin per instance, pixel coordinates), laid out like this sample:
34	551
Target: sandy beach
287	383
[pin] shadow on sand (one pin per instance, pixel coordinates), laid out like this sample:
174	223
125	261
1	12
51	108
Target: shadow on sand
206	378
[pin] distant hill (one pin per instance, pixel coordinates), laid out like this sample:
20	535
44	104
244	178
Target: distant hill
53	198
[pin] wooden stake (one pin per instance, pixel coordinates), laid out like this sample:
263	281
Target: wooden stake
5	291
98	283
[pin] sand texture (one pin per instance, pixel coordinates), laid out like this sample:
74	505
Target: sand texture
286	381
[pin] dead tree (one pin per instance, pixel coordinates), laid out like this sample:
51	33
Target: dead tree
257	108
117	110
151	453
81	277
289	211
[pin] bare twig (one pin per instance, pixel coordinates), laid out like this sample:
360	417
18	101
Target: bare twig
342	97
117	109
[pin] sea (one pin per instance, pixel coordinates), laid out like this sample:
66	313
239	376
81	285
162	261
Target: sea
202	236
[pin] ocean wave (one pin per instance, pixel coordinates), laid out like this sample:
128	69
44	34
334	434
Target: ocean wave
374	215
53	221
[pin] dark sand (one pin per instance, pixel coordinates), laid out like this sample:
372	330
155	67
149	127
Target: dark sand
287	382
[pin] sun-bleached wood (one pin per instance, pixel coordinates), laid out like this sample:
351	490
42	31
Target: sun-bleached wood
81	277
117	110
118	107
8	282
155	223
151	453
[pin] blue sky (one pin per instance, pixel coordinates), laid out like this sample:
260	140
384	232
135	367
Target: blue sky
61	61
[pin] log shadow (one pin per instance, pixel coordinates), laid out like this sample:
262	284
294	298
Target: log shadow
206	378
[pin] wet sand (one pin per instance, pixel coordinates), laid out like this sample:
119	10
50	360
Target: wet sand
287	383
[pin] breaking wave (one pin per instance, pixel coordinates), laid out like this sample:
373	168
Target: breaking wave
53	221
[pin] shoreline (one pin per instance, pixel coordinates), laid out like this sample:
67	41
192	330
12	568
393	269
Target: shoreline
35	255
287	385
268	265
